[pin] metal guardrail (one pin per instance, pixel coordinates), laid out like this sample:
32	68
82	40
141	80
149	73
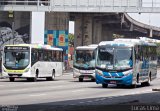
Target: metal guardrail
82	5
26	2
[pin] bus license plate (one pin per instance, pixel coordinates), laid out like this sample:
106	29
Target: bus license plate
113	82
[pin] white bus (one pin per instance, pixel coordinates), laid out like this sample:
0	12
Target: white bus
126	62
32	61
84	62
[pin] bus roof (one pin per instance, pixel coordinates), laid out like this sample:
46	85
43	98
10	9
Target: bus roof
127	42
87	47
38	46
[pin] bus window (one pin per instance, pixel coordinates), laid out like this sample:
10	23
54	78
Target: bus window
45	55
49	55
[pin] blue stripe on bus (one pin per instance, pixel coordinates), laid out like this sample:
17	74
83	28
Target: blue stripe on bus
113	74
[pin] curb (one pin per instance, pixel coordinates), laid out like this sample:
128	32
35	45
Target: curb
156	89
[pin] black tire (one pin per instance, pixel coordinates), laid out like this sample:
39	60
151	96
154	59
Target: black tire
138	78
93	80
104	85
133	86
51	78
11	79
34	79
80	79
148	83
29	79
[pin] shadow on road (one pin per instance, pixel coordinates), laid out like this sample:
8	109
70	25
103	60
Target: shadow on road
119	103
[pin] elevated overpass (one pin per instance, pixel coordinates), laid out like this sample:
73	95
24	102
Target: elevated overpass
133	6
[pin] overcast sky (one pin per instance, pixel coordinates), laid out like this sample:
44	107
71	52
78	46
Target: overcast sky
147	18
71	27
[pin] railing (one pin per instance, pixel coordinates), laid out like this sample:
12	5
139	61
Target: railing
82	5
26	2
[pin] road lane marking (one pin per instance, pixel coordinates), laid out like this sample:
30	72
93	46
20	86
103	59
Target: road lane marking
37	95
30	83
72	104
57	86
43	82
81	102
89	101
18	90
77	91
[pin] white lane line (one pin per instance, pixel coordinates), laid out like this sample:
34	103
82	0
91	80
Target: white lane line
43	82
67	74
77	91
18	90
37	95
27	89
31	83
57	86
89	101
102	99
81	102
72	104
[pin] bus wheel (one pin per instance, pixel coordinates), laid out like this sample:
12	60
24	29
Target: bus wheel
93	80
51	78
80	79
104	85
34	79
11	79
29	79
53	75
133	86
148	83
138	78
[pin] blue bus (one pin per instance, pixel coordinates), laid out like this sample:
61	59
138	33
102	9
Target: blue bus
126	62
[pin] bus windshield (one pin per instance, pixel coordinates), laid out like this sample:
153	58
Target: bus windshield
114	58
85	58
16	59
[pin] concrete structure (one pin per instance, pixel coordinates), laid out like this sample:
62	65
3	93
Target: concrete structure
48	19
95	27
82	5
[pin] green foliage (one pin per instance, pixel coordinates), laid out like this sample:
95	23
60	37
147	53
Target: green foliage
116	36
158	49
71	39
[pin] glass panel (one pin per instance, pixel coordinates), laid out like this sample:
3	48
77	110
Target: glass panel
85	58
16	59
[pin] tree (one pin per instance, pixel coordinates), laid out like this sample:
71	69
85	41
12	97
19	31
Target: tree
71	39
158	49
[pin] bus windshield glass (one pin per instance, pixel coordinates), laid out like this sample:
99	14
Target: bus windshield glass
16	57
85	58
114	58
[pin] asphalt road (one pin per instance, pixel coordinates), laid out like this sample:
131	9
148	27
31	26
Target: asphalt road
67	91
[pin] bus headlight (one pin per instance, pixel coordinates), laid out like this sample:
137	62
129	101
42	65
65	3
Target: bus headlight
126	73
99	72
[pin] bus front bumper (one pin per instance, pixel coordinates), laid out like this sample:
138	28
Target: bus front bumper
83	73
17	75
125	80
